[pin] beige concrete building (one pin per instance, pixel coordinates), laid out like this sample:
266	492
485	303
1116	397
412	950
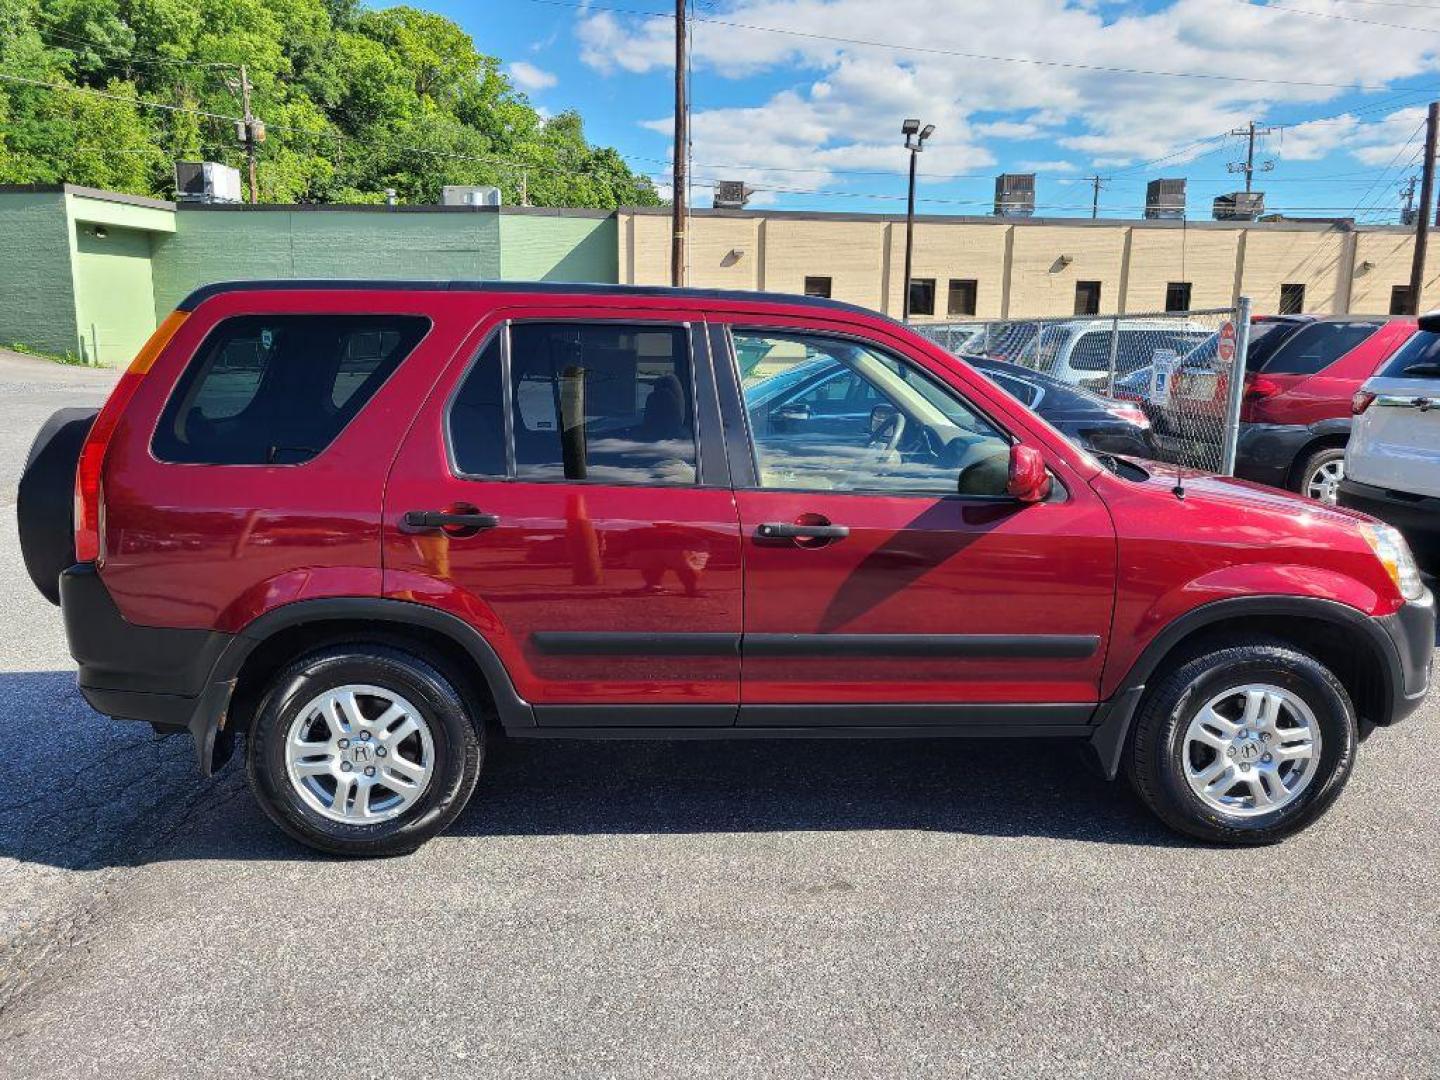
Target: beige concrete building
990	268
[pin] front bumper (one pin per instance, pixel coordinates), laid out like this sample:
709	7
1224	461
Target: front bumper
1412	631
159	675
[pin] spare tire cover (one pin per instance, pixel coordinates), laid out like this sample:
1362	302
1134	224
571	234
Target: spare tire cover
45	502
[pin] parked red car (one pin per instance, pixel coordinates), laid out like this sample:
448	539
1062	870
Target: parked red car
374	525
1295	418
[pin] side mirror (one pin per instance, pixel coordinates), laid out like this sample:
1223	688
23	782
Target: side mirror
1029	482
794	413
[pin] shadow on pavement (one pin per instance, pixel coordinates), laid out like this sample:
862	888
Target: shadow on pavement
81	791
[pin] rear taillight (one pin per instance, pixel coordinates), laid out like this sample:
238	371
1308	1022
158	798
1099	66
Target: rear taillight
1360	402
1256	389
92	454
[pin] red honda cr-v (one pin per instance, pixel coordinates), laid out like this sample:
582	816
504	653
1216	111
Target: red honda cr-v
373	525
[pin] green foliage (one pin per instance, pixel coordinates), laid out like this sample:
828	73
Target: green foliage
354	101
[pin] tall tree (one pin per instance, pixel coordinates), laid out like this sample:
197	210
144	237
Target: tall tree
355	101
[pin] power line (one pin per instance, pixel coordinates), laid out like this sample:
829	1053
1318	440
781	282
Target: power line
1342	18
988	57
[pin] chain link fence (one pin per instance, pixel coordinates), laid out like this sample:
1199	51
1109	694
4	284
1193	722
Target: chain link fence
1176	368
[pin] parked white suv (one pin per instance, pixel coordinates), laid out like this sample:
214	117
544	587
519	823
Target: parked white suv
1078	351
1392	463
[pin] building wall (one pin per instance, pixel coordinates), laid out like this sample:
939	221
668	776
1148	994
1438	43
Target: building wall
1382	261
1311	259
577	246
37	294
114	295
1030	267
224	244
1203	257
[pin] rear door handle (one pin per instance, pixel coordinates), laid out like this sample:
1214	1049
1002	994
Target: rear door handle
418	520
782	530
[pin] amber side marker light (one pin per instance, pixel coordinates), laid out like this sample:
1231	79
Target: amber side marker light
92	454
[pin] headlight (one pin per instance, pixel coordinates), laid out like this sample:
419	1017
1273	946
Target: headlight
1394	554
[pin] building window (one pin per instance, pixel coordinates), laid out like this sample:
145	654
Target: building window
1177	296
1292	299
962	296
1400	300
818	286
1087	298
922	296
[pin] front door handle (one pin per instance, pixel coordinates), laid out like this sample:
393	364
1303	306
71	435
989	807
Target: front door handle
421	520
782	530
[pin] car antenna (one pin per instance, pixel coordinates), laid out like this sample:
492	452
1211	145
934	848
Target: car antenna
1179	488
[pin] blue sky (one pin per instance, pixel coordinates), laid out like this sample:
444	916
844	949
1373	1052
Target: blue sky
803	99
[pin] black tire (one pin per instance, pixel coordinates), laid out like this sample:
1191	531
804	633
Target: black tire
1154	758
457	739
1311	463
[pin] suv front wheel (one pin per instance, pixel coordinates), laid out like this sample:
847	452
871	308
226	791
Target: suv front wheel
1244	745
363	750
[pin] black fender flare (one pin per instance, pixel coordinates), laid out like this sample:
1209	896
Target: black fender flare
1113	719
207	724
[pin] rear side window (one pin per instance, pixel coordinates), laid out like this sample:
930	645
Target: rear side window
278	389
604	402
1418	358
1315	347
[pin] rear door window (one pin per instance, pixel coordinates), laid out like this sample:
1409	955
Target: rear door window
603	402
1315	347
278	389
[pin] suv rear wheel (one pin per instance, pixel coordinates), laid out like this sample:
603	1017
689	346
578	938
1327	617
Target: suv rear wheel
1245	745
363	750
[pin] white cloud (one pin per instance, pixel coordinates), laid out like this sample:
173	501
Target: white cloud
529	77
1047	166
844	103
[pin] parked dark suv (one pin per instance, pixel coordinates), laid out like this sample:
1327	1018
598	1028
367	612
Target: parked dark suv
374	525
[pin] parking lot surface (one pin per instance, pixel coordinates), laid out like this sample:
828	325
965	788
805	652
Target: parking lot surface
845	909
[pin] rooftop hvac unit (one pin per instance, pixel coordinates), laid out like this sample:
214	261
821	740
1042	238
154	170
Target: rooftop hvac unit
731	195
1165	199
1015	195
206	182
467	195
1239	206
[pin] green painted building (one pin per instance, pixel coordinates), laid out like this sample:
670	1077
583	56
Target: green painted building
90	273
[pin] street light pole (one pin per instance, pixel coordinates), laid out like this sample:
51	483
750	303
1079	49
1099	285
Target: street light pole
915	143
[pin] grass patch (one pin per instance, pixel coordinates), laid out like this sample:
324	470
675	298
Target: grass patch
70	359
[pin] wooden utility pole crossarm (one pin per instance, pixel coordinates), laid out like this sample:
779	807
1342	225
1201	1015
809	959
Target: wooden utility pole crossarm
680	181
1422	219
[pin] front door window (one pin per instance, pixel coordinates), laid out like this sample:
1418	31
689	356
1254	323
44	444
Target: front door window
832	414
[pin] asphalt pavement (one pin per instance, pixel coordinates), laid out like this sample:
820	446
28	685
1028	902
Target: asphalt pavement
846	909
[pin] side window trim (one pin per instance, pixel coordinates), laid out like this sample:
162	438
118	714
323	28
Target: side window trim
727	331
711	467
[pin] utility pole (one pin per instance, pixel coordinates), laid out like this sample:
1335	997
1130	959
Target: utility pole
1095	182
680	181
1422	219
1407	192
1248	167
249	132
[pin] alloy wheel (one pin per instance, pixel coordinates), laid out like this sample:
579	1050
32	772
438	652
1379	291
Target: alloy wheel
1323	483
359	754
1251	750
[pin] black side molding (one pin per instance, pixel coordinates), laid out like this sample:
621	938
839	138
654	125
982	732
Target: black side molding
959	646
564	643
